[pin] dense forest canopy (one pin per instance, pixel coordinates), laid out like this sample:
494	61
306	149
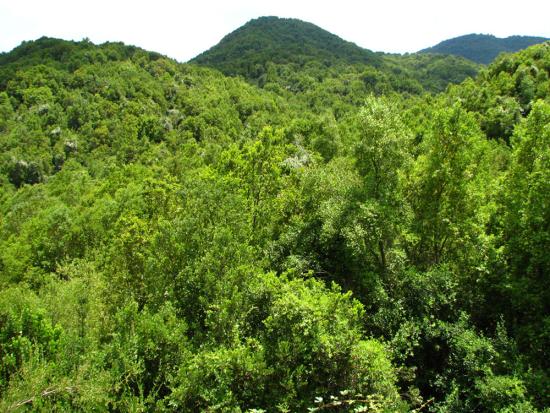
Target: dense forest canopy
273	52
282	41
483	48
304	237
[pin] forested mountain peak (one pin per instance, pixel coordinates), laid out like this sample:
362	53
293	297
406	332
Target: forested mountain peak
483	48
290	54
281	40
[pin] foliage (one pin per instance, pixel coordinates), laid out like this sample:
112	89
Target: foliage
290	54
483	48
327	238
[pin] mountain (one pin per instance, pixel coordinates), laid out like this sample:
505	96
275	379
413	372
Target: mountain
275	51
483	48
281	40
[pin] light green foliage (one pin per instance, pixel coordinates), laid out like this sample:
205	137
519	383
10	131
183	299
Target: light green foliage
260	171
382	155
448	189
226	379
526	234
307	345
172	239
25	330
506	90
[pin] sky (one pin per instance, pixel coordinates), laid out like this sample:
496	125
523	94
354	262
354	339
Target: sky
182	29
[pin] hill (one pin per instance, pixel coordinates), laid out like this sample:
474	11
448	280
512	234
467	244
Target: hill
277	51
174	239
66	55
483	48
280	41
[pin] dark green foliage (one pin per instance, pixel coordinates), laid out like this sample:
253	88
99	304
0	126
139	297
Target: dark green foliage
296	56
433	72
483	48
281	41
172	239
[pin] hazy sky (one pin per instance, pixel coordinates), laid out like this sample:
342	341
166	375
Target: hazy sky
182	29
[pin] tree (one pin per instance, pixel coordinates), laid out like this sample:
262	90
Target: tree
525	216
448	191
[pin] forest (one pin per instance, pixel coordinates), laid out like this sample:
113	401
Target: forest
313	229
483	48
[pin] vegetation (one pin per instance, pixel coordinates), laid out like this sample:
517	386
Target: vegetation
172	239
289	54
483	48
281	41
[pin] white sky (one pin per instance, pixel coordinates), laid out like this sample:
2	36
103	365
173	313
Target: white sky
182	29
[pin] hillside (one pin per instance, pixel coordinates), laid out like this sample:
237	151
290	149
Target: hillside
281	41
65	55
284	52
176	240
483	48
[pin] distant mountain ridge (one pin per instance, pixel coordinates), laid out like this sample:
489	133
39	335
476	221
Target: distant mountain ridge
483	48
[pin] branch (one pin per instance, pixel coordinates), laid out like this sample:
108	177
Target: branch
45	393
418	409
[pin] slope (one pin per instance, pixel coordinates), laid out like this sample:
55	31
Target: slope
137	196
172	239
482	48
280	41
293	55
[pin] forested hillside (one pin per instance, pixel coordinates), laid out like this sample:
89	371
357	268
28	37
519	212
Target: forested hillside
296	56
483	48
281	41
172	239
